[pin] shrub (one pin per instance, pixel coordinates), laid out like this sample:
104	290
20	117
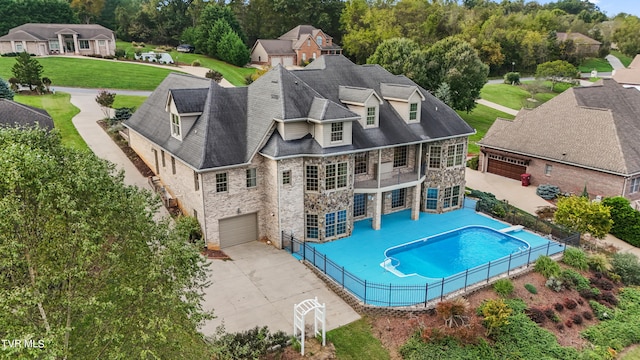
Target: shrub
536	315
512	78
577	319
600	311
554	284
576	258
589	294
549	313
598	262
626	220
568	323
560	326
503	287
473	162
251	344
610	298
547	191
547	267
626	265
496	315
454	313
214	75
587	315
195	63
532	289
559	307
580	301
602	284
546	212
574	280
570	303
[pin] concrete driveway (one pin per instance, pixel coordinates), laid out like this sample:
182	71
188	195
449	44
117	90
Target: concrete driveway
261	285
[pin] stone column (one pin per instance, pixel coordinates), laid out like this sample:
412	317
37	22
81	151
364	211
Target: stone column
377	211
415	205
61	43
76	46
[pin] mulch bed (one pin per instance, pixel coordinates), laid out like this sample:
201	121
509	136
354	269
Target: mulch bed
215	254
124	146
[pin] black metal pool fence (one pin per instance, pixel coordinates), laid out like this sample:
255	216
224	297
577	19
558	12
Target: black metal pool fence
396	295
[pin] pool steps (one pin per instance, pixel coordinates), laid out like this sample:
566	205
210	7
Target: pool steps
388	264
511	229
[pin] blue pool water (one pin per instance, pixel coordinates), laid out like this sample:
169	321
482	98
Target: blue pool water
452	252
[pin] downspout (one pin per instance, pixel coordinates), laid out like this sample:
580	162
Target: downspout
624	187
204	209
278	187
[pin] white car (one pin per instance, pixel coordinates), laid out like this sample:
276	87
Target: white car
162	58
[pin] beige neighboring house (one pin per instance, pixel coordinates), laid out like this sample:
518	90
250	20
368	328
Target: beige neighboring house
629	76
584	136
305	152
585	45
298	46
54	39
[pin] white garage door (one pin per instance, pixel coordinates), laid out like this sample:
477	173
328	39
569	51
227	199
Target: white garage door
275	61
238	230
288	61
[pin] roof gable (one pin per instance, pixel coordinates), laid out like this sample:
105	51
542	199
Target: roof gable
51	31
399	92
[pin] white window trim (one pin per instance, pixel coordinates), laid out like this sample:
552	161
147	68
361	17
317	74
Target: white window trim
252	174
80	42
416	112
337	176
176	126
366	116
222	182
635	186
338	133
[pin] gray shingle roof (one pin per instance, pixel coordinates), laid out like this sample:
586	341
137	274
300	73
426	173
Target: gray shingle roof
594	127
396	91
189	100
48	31
577	38
238	122
276	47
353	94
300	30
16	114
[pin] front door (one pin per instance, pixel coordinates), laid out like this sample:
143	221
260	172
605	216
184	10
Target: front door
43	49
69	47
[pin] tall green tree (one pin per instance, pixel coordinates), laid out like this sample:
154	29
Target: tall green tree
556	71
454	62
232	49
393	54
27	70
5	90
626	220
581	215
88	10
86	269
626	36
17	12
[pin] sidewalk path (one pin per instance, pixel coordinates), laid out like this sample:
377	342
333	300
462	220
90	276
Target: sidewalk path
525	198
499	107
615	62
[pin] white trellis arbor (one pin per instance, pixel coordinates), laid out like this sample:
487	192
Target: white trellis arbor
299	312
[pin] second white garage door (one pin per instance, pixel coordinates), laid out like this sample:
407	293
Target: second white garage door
238	230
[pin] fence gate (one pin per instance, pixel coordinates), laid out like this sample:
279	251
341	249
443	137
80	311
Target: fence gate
299	312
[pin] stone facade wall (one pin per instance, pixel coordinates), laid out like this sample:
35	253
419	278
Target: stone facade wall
387	199
180	185
326	201
444	177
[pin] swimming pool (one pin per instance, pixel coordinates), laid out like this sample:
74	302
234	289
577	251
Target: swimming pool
452	252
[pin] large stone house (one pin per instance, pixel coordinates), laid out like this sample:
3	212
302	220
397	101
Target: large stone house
306	152
298	46
586	136
13	114
51	39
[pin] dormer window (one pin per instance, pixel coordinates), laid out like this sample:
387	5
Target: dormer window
337	131
413	111
175	125
371	116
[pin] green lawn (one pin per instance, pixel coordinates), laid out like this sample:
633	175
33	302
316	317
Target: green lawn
481	119
513	97
128	101
589	64
233	74
626	60
355	341
62	111
92	73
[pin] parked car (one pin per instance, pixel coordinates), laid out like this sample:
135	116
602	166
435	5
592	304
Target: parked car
186	48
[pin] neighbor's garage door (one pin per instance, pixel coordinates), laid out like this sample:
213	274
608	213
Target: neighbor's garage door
287	61
238	230
506	169
275	60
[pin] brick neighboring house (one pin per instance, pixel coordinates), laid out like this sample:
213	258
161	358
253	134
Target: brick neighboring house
584	136
584	45
16	114
296	47
50	39
306	152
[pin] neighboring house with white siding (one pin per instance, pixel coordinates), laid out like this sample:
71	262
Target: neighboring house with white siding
54	39
306	152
